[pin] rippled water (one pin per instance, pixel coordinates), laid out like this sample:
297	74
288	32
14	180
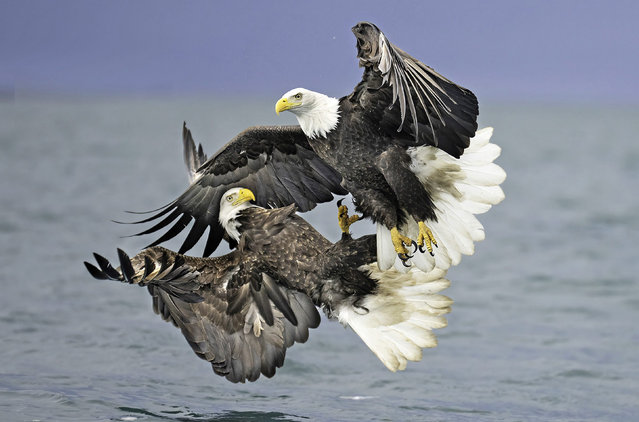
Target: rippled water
544	325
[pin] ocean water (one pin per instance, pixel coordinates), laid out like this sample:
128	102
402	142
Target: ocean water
544	325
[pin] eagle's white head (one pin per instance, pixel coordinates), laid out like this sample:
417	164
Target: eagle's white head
317	114
233	201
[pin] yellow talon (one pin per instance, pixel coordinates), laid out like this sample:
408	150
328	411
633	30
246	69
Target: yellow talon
344	220
399	241
426	236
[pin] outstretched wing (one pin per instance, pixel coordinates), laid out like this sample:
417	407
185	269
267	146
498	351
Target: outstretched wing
231	313
411	98
275	162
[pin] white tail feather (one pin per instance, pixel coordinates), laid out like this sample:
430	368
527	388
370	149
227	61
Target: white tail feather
385	249
459	188
397	321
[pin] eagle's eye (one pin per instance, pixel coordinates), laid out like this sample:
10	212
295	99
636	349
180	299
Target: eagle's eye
229	198
298	96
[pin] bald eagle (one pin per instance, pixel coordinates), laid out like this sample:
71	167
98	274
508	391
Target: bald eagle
241	311
395	143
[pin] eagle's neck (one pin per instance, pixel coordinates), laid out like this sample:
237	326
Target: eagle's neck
320	116
228	219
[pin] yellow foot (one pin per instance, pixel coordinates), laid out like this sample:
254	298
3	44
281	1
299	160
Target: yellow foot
343	219
426	237
400	242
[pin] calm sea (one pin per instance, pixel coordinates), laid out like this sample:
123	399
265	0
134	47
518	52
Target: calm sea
544	325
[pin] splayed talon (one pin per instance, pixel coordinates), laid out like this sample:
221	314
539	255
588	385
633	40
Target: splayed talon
400	242
426	238
423	250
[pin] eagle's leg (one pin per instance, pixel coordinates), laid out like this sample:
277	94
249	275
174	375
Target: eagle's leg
426	237
343	219
395	164
400	242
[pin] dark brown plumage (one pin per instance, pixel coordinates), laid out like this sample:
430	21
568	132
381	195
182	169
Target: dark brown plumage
218	304
241	311
304	259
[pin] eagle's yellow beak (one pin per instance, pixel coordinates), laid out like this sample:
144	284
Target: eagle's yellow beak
284	104
244	195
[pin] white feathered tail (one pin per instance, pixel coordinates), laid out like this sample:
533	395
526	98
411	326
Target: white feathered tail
459	188
397	321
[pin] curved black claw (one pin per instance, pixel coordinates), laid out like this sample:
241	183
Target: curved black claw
423	250
416	246
404	257
339	202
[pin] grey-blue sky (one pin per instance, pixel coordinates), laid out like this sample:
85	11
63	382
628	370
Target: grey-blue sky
525	50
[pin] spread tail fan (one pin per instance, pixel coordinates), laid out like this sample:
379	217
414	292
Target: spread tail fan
396	322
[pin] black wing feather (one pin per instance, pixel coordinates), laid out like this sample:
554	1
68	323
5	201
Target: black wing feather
173	231
432	109
191	293
193	157
216	232
194	235
276	163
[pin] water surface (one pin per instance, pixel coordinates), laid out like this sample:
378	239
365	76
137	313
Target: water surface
544	325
